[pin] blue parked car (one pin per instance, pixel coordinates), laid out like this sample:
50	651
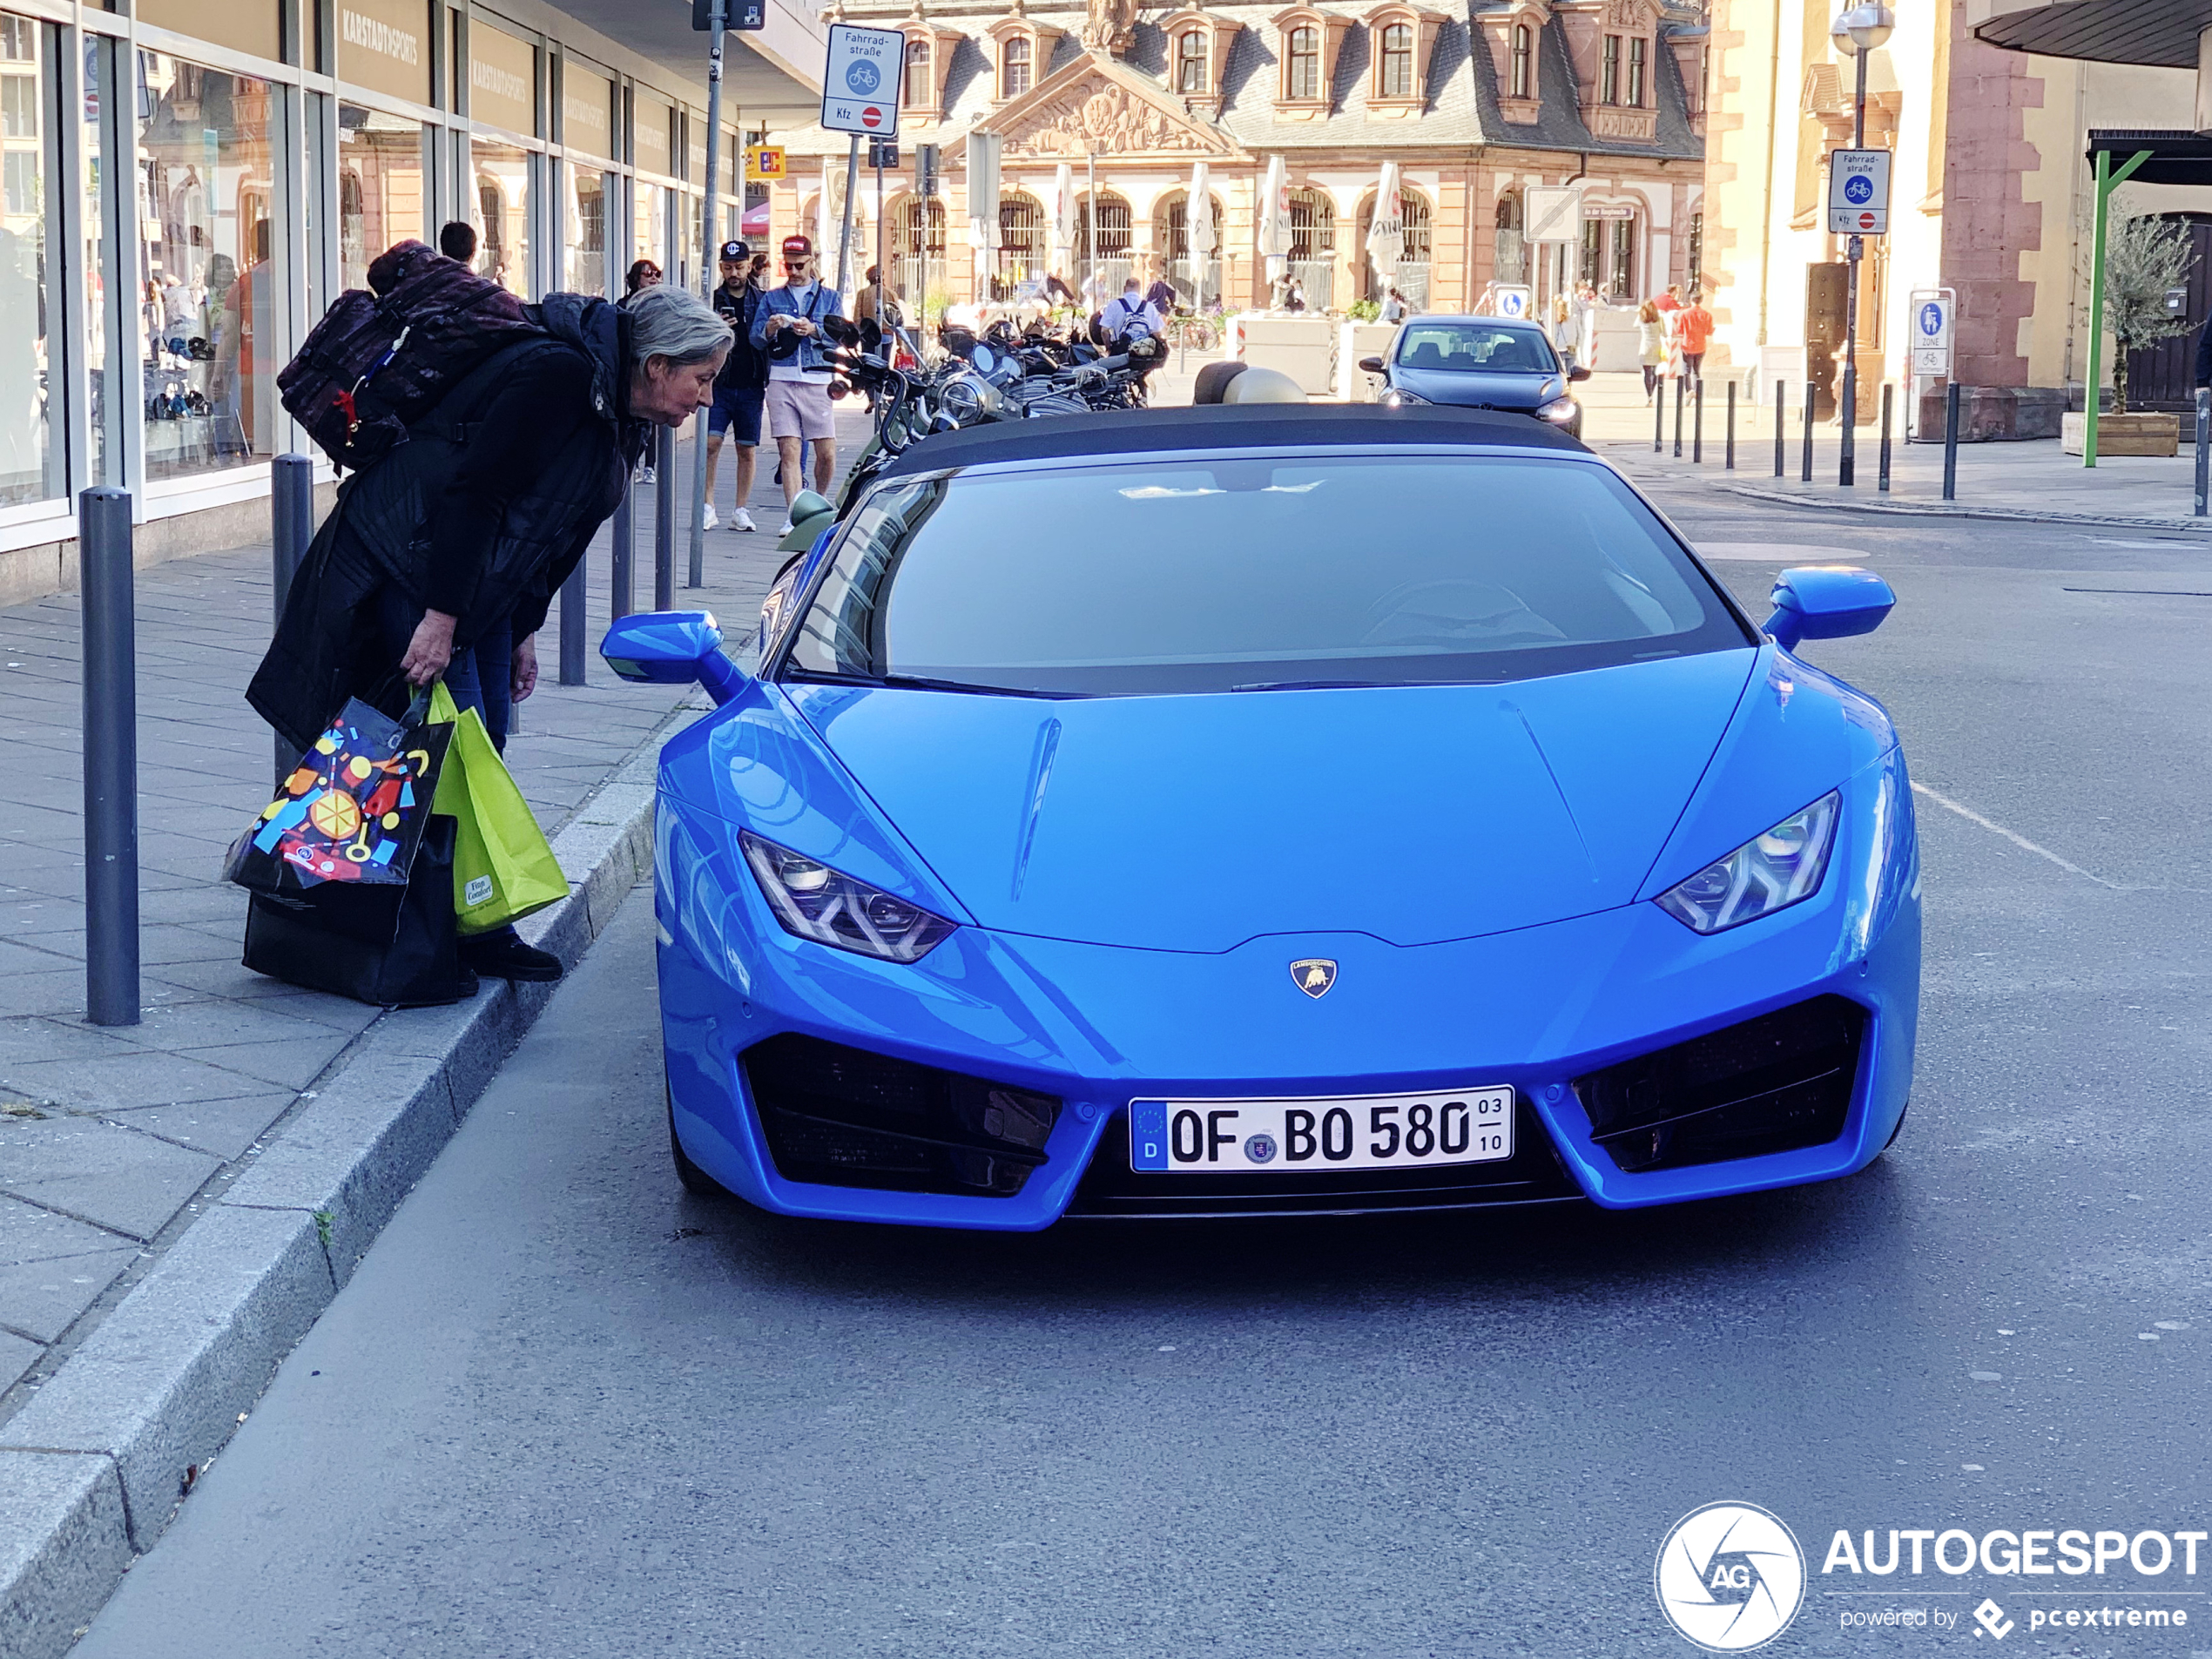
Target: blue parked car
1274	810
1479	363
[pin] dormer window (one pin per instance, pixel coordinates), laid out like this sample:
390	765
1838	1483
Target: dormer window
919	91
1016	60
1190	62
1302	74
1394	75
1523	66
1638	47
1608	75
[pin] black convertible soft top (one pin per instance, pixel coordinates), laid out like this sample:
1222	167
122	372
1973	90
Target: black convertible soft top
1256	426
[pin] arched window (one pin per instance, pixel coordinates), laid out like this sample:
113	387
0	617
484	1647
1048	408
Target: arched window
1523	46
1190	61
916	96
1023	233
1313	245
917	249
1303	78
1397	60
1114	240
1172	232
1014	67
1413	263
1510	260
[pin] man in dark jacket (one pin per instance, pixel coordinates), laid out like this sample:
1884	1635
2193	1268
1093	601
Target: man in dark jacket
742	386
442	560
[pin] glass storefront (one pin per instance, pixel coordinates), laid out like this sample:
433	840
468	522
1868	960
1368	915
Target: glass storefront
503	214
587	229
381	198
28	450
649	238
98	181
205	188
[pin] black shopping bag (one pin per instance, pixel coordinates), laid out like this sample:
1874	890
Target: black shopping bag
377	943
353	811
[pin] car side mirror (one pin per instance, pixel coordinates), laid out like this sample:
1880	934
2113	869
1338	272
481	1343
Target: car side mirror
1372	365
672	648
1579	372
1827	602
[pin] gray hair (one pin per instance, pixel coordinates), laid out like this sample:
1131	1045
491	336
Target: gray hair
674	323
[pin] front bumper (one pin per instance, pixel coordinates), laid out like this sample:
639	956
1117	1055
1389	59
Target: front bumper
1094	1027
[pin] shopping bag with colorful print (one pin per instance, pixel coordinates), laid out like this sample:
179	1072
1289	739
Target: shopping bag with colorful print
503	867
354	810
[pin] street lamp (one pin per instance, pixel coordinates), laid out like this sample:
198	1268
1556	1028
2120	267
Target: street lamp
1857	31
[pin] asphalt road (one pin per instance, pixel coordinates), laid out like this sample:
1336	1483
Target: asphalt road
563	1409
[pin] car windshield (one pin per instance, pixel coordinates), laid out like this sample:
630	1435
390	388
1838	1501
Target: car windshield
1475	348
1190	574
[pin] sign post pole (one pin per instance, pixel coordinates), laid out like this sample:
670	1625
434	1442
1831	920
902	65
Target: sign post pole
710	276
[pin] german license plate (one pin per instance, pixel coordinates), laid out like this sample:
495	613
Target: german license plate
1429	1130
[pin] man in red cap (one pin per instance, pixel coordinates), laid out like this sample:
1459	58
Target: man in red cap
789	328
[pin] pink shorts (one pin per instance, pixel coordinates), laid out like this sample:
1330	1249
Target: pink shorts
799	410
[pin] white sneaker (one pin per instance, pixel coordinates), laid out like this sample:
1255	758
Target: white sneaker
741	520
785	530
709	521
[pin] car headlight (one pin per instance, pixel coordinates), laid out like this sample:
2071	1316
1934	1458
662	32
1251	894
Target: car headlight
816	902
1560	410
1396	398
1767	873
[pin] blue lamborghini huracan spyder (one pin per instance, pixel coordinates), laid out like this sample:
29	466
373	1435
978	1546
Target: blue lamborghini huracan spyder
1263	811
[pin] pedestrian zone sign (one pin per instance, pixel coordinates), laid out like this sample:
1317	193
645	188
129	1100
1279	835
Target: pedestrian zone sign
764	161
1512	301
1858	193
861	81
1933	310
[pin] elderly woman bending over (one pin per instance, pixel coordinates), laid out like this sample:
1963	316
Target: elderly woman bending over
442	559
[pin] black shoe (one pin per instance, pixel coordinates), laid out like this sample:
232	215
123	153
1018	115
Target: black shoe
504	956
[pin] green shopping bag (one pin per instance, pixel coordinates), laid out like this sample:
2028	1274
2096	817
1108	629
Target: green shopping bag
503	867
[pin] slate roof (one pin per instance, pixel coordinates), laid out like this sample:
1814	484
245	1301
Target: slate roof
1462	111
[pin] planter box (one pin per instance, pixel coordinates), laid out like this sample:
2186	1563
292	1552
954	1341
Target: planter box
1355	384
2123	435
1304	347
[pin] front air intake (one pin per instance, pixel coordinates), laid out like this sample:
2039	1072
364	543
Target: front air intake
1773	1084
848	1118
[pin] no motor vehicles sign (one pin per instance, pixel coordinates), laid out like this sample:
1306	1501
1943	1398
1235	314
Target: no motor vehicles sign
861	81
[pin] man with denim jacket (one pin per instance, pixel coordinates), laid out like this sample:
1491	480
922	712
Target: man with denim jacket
789	328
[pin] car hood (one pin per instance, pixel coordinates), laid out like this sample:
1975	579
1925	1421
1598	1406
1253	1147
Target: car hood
1480	391
1414	813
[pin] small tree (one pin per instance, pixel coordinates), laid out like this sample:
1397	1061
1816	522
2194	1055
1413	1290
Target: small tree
2144	256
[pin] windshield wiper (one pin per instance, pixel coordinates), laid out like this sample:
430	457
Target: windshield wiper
923	683
1340	685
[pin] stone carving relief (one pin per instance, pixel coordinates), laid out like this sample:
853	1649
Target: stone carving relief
1624	14
1110	25
1092	119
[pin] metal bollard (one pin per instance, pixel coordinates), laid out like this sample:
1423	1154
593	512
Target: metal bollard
1847	450
663	519
574	651
1812	394
1697	427
1658	417
1730	464
624	596
1678	395
1781	455
1881	483
1951	441
111	758
2203	447
695	576
292	527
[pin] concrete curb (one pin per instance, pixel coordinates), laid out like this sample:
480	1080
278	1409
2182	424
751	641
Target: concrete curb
92	1470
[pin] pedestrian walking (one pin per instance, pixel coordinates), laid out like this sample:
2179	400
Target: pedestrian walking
1130	315
1566	331
1694	328
1651	347
789	329
442	559
886	314
1161	296
741	389
1393	305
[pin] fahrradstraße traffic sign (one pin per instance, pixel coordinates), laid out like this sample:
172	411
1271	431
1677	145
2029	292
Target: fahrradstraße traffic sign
1858	193
861	80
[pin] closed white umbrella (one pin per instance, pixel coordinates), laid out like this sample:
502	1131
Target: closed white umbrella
1197	231
1063	219
1387	234
1275	218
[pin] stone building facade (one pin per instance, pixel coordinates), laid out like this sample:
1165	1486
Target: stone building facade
1474	105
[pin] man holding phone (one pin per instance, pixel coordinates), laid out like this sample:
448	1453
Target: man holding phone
789	329
740	390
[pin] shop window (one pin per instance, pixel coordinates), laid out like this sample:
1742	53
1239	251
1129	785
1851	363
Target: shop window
1395	73
1638	47
1608	75
587	230
30	450
1302	80
381	197
206	181
1190	62
1523	66
502	206
1016	60
649	230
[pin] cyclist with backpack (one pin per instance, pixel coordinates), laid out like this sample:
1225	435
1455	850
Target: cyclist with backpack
441	558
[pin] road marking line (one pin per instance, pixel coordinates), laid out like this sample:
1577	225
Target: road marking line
1974	816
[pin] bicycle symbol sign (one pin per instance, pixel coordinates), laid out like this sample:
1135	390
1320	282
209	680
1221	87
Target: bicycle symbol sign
862	77
1859	189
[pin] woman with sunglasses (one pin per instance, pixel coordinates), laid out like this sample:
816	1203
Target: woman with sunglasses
789	328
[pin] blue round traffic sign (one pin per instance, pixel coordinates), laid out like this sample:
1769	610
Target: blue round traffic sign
863	77
1931	319
1858	188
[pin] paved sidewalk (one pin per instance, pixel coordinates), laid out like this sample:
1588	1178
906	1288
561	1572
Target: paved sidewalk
111	1138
